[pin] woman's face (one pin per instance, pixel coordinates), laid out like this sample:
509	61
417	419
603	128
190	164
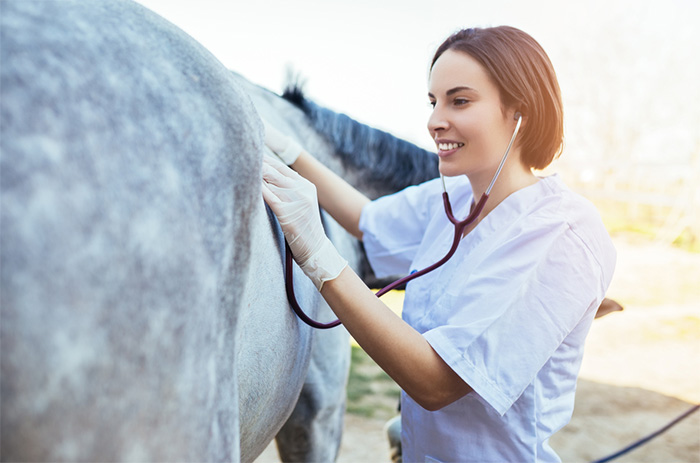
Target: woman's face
468	124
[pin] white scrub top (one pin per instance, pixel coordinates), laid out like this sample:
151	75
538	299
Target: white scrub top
509	312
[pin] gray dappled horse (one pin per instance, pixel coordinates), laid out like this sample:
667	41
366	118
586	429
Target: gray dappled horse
142	304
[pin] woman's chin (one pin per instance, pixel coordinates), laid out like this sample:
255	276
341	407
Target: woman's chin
448	170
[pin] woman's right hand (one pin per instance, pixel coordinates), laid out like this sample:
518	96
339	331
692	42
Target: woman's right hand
293	200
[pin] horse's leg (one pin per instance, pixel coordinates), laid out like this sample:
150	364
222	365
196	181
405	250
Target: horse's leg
313	431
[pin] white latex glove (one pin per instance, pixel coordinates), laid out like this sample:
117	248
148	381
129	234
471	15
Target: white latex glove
293	200
284	147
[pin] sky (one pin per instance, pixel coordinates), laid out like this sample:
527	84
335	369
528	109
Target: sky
628	69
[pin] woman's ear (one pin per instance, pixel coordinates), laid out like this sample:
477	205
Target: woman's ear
520	113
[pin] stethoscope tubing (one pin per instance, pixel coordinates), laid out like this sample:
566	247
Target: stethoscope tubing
459	226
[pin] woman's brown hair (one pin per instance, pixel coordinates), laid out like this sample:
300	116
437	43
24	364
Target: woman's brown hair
526	80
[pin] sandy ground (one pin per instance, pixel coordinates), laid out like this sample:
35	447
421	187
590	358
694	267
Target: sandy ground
641	369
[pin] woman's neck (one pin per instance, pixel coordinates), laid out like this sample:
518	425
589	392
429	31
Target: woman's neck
512	178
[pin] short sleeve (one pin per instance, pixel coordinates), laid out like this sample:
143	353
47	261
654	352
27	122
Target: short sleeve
513	308
393	226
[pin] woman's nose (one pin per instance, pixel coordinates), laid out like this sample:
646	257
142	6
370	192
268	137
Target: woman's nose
437	122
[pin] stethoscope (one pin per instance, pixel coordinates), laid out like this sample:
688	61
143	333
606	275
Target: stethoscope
459	229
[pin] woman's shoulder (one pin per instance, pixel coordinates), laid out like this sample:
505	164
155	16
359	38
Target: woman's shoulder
577	216
562	203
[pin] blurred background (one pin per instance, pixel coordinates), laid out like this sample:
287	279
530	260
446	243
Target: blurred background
629	73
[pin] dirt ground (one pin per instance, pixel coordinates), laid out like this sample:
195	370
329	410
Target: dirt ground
641	369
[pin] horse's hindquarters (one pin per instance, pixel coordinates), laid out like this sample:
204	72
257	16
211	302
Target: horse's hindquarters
129	170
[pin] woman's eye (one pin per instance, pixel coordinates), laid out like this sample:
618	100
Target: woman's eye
432	104
460	101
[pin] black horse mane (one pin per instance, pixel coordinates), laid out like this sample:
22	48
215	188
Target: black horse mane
384	158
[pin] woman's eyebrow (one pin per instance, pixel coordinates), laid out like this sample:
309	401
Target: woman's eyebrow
458	89
454	90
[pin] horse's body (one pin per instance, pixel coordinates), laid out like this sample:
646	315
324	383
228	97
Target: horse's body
142	299
134	316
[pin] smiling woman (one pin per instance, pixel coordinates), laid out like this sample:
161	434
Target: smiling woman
489	347
524	78
471	128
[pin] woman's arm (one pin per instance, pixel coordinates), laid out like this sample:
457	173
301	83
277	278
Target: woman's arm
340	199
396	347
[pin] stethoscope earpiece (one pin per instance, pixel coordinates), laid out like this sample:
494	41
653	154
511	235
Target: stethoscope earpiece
517	115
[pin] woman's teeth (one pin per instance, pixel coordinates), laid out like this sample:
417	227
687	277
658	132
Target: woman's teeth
449	146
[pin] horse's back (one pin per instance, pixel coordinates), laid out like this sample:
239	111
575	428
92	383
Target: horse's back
129	172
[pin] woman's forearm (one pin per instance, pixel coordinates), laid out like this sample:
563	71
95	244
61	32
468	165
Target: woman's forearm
340	199
393	344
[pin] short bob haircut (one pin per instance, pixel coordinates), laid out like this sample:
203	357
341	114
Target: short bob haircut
526	80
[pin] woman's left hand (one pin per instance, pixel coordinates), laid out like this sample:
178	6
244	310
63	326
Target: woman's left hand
293	200
286	149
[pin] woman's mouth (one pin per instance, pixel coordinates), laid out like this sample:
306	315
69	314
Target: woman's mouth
447	148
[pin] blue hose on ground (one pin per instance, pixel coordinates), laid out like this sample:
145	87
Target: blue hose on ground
648	438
